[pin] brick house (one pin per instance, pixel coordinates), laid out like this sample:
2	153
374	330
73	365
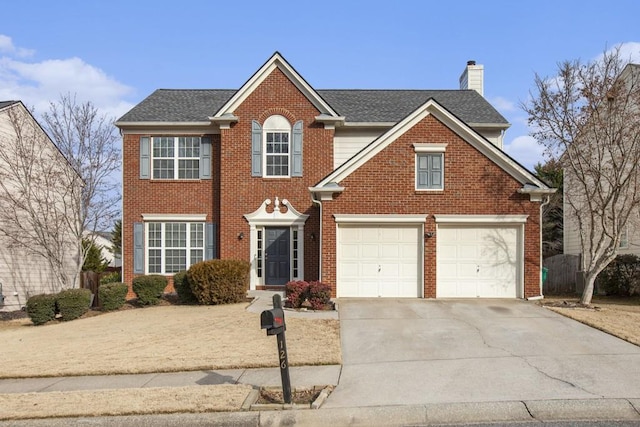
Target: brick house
375	192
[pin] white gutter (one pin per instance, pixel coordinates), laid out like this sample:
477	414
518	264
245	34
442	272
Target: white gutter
546	201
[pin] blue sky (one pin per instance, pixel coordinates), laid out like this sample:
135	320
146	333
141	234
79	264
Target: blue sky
115	53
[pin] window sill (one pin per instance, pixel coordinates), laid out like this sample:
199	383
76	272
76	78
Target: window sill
429	191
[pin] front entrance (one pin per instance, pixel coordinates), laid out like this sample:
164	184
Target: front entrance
277	257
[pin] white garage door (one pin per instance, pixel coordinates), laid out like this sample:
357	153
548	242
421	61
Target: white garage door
379	261
478	261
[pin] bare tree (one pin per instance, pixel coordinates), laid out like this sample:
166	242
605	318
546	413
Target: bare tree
39	191
90	142
54	196
588	119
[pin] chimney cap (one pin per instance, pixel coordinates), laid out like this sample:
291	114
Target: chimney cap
471	62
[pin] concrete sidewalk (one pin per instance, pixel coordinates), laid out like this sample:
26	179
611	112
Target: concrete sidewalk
303	376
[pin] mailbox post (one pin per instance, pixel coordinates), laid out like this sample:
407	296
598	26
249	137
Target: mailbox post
273	321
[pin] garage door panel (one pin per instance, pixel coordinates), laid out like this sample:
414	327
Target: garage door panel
369	251
477	261
389	259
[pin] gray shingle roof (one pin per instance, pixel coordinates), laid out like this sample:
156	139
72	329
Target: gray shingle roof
176	105
4	104
393	105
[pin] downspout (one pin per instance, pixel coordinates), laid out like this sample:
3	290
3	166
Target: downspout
546	201
319	203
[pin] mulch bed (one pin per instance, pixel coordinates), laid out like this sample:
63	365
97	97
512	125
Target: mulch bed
13	315
299	397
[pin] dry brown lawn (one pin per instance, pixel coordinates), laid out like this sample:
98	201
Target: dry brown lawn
161	339
617	316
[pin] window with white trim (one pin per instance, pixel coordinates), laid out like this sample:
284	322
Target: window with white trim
277	136
429	166
174	246
176	157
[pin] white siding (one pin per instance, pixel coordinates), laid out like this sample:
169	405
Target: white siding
23	273
348	142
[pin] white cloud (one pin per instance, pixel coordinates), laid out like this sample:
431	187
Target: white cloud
629	50
7	47
502	104
526	150
39	83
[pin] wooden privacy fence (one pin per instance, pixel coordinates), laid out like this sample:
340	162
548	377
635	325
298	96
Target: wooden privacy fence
561	274
91	280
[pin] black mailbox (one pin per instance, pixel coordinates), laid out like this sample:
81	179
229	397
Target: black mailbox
273	321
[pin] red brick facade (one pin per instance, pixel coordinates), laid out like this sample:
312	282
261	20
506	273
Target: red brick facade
385	184
474	185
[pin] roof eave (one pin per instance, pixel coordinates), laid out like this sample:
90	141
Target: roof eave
124	125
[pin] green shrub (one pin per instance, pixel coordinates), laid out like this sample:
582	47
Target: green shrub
297	291
621	277
319	295
149	289
183	289
73	303
113	277
41	308
219	281
112	295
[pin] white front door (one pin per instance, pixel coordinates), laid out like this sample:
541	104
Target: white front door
379	261
478	261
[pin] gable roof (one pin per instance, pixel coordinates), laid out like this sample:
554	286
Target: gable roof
356	105
276	61
432	107
189	106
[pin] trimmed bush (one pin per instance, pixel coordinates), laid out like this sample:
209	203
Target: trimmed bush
183	289
297	291
41	308
112	295
149	289
319	295
219	281
110	278
73	303
621	277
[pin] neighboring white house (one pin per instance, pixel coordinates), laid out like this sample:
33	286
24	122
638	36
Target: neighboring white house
102	240
630	237
37	189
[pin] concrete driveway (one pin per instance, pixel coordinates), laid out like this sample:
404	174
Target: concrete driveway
413	351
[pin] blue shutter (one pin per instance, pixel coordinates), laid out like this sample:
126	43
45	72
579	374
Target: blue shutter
205	158
435	171
145	157
256	149
138	248
422	171
296	150
210	251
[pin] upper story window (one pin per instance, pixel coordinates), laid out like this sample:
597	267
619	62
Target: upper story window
276	148
175	157
429	166
277	131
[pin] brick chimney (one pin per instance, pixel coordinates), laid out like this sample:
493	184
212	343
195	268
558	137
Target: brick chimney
473	77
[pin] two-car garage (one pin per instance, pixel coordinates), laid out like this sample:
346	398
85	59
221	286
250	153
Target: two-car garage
475	256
